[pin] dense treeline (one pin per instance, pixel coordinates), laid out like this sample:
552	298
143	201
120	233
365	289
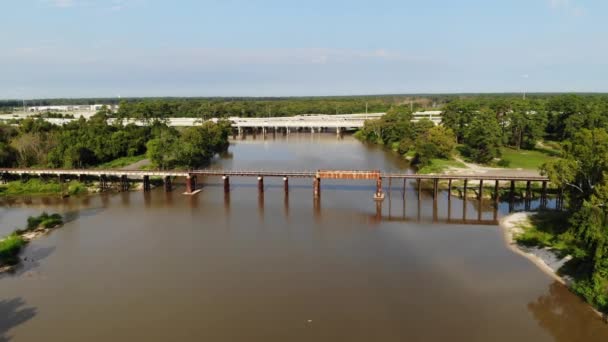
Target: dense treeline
582	173
87	143
483	125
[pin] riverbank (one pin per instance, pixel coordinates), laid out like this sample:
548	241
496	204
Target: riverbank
548	259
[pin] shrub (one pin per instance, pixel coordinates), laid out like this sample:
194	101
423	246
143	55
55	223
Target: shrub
10	247
44	220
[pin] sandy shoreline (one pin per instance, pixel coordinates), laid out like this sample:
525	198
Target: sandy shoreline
545	258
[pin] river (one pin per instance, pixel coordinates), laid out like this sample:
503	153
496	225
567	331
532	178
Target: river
160	267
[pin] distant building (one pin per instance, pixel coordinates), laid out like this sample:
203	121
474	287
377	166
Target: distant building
433	115
70	108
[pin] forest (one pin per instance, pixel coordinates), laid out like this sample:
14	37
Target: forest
89	143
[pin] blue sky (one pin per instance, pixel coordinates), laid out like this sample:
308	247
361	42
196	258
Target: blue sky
85	48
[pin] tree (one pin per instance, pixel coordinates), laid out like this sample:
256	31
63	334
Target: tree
483	138
582	166
437	142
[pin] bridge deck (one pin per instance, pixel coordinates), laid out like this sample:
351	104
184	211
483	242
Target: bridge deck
333	174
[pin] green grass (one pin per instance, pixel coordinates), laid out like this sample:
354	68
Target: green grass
525	159
121	162
9	249
36	186
439	166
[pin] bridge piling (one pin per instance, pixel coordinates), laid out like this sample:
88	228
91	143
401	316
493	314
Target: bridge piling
190	184
146	183
543	196
528	200
449	190
286	184
167	183
496	193
260	184
480	190
316	185
379	195
464	192
226	180
435	188
124	183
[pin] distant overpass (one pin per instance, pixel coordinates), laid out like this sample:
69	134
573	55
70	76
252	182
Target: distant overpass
312	122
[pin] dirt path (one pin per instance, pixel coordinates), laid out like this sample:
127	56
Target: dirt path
137	165
474	169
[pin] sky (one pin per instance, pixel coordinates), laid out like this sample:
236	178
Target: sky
123	48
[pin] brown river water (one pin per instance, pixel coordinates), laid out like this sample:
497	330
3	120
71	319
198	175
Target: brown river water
169	267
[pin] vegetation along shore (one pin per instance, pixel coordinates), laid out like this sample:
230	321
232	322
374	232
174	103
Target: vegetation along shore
11	245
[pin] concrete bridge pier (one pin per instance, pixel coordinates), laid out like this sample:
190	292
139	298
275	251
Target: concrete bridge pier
316	187
379	195
338	132
146	183
226	180
190	184
261	184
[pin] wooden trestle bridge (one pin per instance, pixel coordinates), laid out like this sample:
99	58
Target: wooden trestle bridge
125	177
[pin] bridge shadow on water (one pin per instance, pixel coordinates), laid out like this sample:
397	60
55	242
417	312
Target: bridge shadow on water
13	312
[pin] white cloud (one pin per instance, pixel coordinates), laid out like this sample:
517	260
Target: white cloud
111	5
569	6
60	3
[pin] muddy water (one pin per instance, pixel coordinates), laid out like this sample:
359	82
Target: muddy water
245	267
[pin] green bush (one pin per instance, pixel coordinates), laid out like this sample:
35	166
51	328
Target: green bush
44	220
503	163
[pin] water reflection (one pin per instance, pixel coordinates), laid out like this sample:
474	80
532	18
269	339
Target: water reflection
566	317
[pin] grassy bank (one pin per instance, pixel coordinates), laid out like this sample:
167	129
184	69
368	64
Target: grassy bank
551	229
121	162
440	165
525	159
37	187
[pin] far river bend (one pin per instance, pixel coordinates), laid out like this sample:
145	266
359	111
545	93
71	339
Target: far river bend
168	267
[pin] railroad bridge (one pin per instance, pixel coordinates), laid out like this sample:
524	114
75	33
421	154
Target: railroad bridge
464	184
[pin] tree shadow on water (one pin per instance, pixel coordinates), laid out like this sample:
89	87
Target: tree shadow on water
566	317
29	262
13	312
